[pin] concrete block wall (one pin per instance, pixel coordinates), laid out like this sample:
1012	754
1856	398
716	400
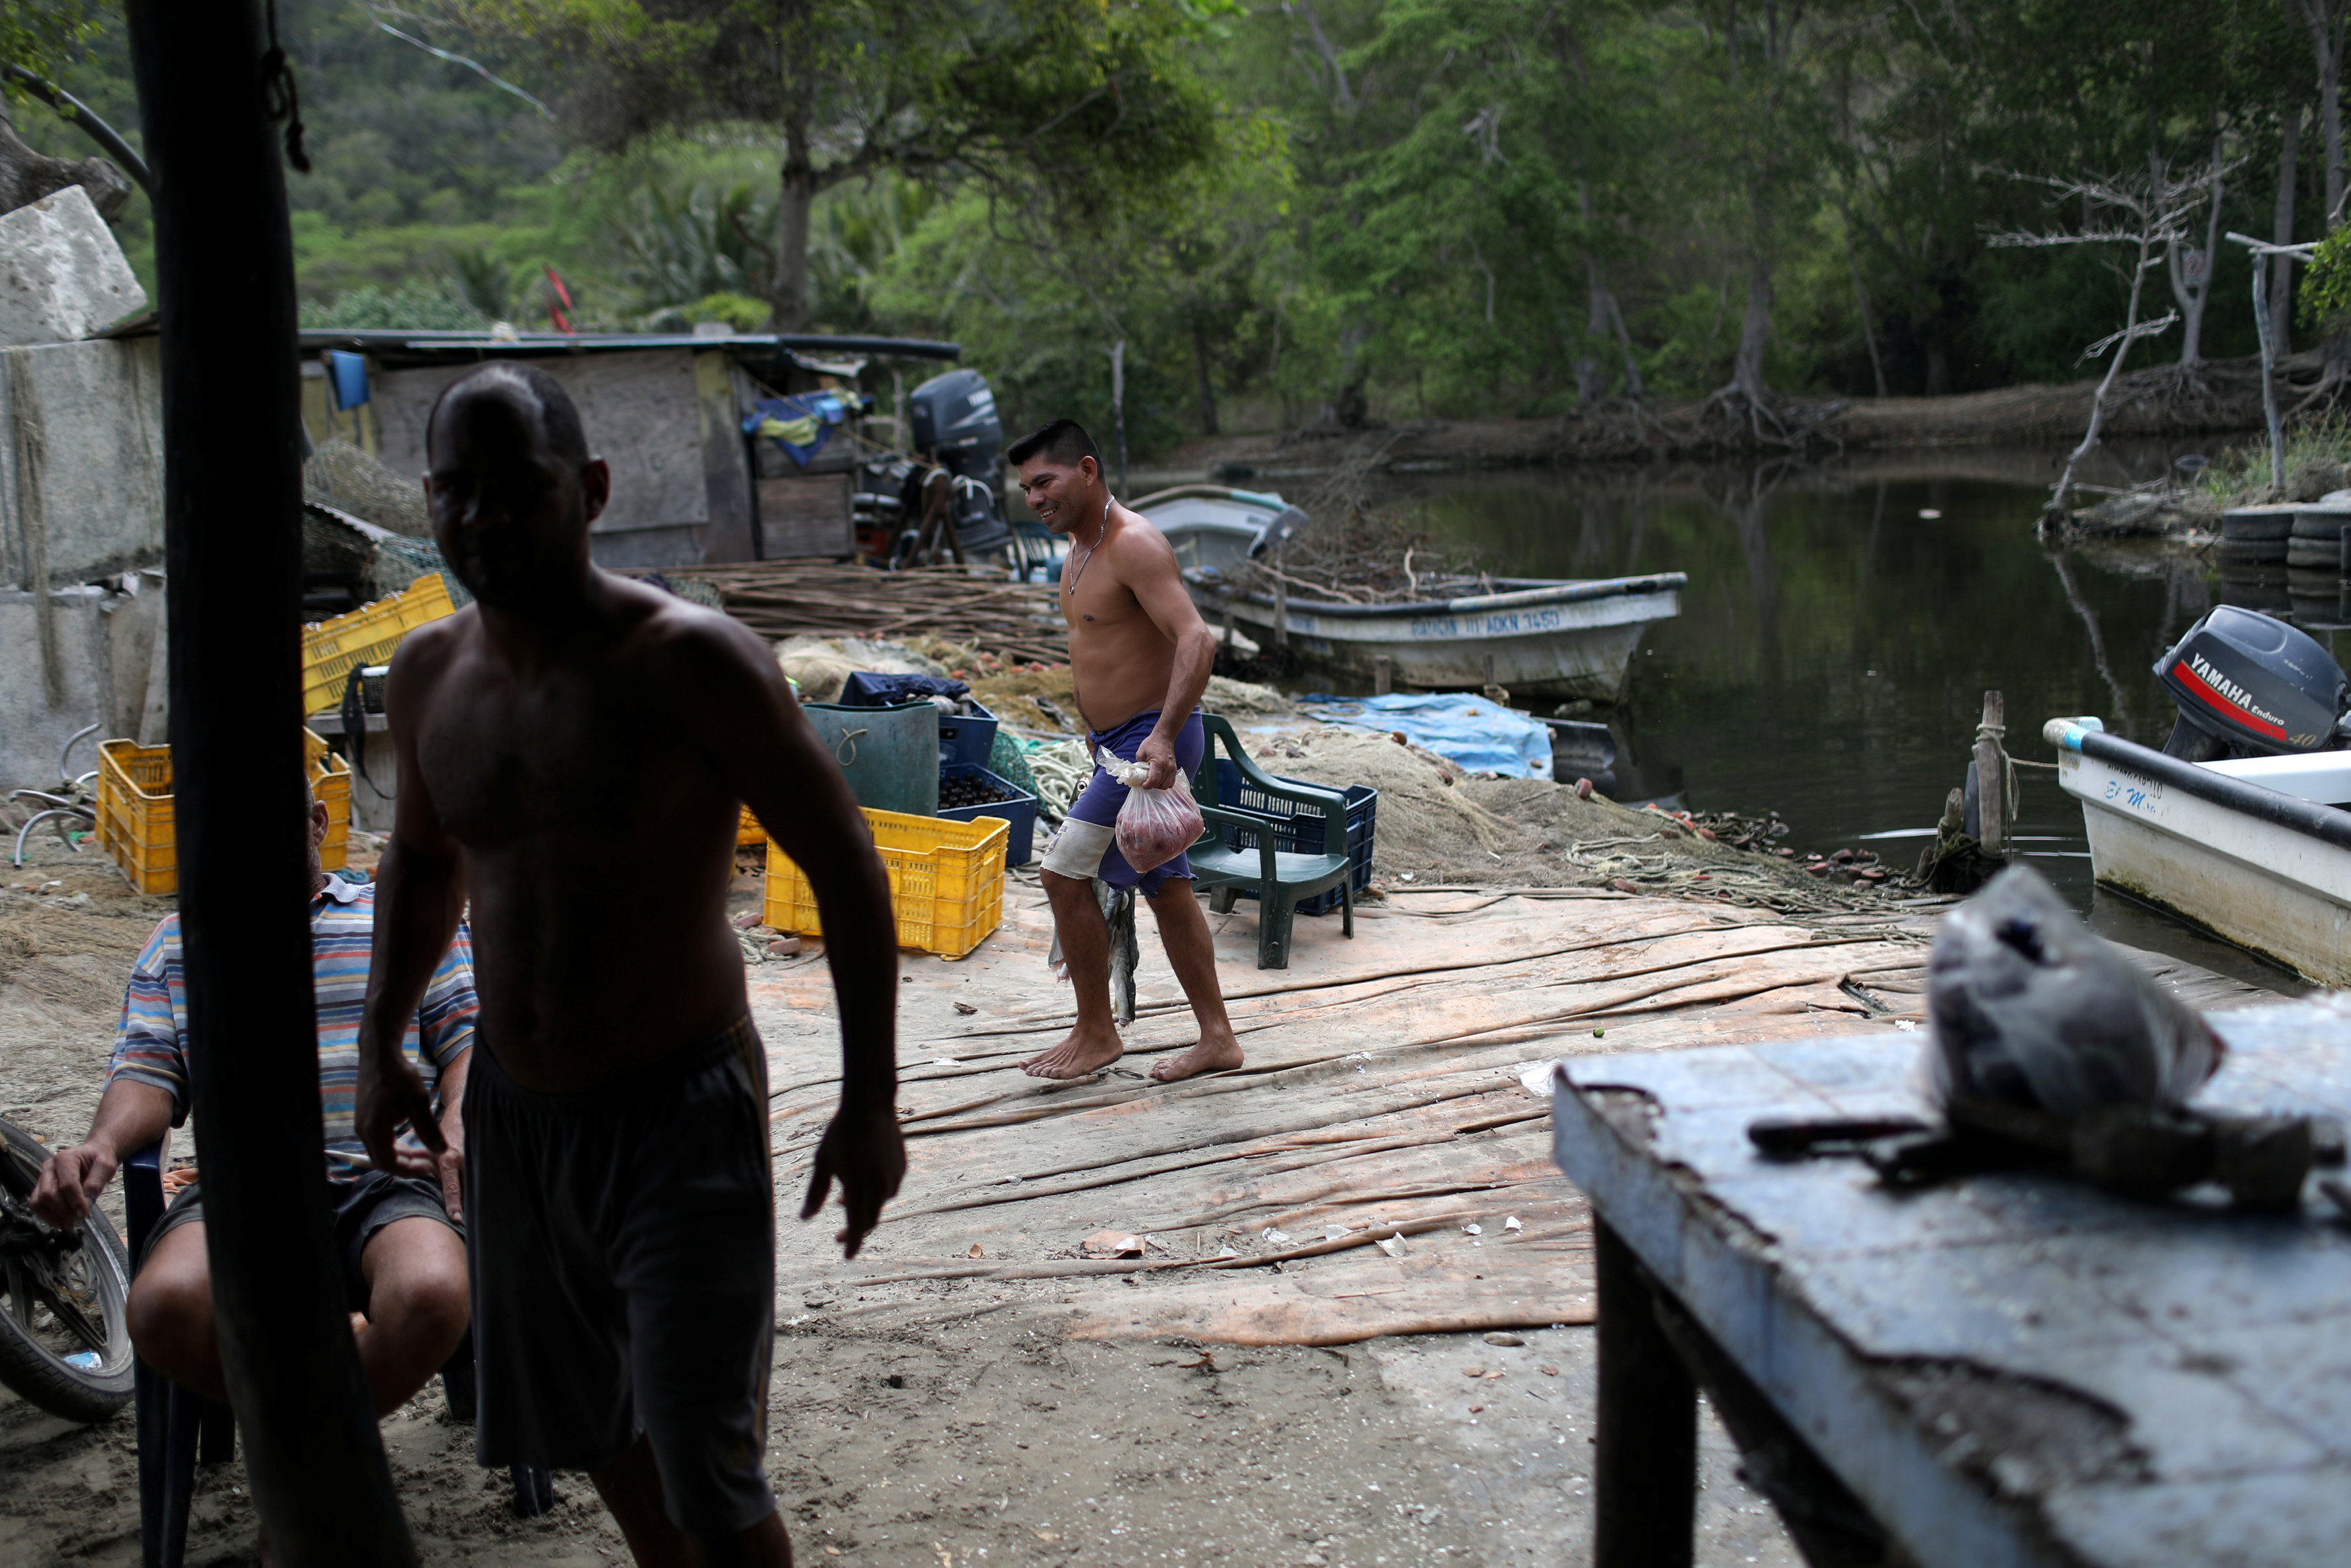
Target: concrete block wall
94	669
81	459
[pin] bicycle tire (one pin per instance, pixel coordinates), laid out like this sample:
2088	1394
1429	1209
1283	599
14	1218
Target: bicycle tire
28	1366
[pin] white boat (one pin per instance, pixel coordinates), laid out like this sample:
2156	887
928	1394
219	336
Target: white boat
1213	528
1535	636
2257	851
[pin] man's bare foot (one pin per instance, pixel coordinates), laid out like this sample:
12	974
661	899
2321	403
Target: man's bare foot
1076	1056
1208	1056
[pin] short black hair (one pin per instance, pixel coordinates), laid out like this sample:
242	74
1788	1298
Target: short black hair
1060	440
559	415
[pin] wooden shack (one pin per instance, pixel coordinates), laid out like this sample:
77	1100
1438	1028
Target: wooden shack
667	411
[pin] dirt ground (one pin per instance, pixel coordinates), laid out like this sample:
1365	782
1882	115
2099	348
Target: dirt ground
934	1424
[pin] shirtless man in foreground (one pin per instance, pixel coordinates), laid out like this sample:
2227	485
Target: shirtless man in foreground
573	747
1140	655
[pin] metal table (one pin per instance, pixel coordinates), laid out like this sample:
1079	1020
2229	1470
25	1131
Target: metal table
2013	1368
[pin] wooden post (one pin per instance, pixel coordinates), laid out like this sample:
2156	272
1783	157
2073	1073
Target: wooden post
1379	675
1644	1473
1280	601
1229	626
2269	368
1991	775
231	510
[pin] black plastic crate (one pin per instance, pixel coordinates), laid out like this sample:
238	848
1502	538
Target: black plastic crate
1298	829
1021	811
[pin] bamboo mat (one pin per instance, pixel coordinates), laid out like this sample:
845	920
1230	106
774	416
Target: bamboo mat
1382	1102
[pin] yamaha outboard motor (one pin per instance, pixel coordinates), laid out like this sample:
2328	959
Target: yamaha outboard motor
2249	685
956	424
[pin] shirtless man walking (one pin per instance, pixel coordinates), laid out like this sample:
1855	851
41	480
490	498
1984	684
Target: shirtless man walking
1140	655
573	747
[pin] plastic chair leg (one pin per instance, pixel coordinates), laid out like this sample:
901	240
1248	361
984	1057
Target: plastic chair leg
173	1418
1275	908
1220	899
534	1490
216	1433
1347	906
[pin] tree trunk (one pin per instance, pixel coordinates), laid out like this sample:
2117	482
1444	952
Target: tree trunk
1938	365
796	200
1590	381
2322	20
1632	387
1590	377
232	518
27	176
2064	492
2192	294
1868	328
1755	329
2282	231
1207	383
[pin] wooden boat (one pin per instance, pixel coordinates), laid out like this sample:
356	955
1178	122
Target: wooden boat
2257	851
1535	636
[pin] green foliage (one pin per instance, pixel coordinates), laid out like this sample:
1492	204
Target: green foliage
1392	208
2326	296
415	307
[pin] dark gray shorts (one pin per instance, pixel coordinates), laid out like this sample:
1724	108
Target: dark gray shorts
362	1205
623	1251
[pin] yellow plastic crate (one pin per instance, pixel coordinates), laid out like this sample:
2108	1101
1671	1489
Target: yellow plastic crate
135	810
747	830
947	881
368	635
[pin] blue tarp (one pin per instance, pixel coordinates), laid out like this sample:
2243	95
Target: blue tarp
800	425
1479	735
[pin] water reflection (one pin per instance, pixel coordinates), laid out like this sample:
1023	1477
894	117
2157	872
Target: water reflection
1842	625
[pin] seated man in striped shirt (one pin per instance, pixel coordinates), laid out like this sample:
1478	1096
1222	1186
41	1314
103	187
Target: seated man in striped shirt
403	1254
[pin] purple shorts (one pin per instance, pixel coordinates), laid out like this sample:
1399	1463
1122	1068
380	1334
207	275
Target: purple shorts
1098	802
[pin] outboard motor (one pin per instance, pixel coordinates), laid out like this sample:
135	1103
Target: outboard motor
2249	685
957	426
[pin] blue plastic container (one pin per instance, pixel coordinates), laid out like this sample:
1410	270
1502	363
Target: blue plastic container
1298	829
967	740
1021	811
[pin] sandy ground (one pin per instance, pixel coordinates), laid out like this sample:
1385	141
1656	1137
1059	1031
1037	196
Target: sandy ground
927	1427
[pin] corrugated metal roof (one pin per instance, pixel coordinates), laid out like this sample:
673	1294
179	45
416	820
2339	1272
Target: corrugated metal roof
432	345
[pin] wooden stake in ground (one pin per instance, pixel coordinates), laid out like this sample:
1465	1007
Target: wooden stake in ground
232	509
1992	774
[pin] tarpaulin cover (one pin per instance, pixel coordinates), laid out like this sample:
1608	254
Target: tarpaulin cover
800	425
1481	736
868	689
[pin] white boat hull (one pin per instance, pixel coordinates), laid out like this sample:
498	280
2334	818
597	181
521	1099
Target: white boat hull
1579	648
2261	885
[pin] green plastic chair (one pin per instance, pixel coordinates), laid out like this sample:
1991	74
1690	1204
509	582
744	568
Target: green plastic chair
1237	850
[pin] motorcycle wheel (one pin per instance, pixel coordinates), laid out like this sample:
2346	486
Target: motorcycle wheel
64	1342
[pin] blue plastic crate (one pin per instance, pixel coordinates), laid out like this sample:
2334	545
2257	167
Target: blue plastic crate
1021	811
967	739
1298	829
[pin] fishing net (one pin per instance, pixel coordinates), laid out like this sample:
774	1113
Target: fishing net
340	475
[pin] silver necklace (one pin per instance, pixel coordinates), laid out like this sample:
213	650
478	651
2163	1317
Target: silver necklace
1070	586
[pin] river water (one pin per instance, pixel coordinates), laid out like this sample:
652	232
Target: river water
1842	625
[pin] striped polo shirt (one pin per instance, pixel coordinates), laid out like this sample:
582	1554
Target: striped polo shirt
150	1043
